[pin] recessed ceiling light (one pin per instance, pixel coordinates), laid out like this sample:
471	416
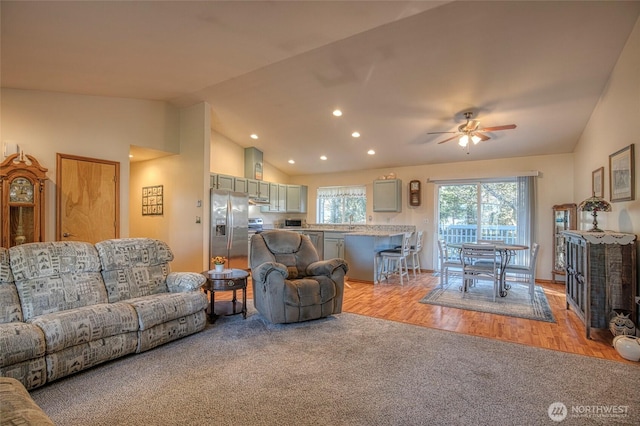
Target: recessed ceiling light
291	162
371	152
323	157
355	134
254	136
130	155
337	112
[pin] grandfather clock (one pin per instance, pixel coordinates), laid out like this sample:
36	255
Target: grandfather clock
22	194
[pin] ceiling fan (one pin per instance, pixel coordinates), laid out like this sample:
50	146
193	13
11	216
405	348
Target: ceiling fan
472	132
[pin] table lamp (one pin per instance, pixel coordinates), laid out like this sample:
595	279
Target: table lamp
595	204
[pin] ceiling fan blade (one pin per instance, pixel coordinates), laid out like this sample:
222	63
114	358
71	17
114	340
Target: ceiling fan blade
447	140
471	125
482	136
494	128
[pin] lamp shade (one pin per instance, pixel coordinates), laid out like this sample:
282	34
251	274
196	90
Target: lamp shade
595	205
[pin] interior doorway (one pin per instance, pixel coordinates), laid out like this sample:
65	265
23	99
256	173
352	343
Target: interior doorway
87	199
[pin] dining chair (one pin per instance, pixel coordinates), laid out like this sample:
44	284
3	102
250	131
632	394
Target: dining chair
448	263
394	261
480	262
414	251
526	273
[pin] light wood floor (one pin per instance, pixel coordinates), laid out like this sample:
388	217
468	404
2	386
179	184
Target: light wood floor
394	302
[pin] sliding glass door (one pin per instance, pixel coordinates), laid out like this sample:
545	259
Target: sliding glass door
482	210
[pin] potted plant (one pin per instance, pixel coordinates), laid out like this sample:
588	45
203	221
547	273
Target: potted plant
219	262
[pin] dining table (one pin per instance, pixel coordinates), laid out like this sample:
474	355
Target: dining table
506	252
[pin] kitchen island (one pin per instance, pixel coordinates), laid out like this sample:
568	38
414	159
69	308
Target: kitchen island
360	249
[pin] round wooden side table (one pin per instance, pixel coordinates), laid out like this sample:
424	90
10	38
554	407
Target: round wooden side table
228	280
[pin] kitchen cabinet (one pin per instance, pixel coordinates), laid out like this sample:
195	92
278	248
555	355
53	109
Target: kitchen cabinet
564	219
333	245
240	185
387	195
600	276
296	199
258	189
223	182
277	199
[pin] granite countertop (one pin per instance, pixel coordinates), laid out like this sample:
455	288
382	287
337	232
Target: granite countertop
375	233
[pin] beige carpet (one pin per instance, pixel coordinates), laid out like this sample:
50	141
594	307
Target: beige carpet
344	370
516	303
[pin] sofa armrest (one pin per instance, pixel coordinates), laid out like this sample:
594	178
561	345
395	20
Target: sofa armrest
180	282
327	267
261	273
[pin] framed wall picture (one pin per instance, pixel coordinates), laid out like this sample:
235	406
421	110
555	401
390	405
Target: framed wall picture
597	187
152	200
621	175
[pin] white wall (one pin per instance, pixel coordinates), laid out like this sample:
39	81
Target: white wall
46	123
185	180
613	126
227	158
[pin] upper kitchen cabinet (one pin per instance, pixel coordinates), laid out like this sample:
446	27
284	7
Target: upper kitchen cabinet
296	199
257	189
387	195
223	182
240	185
277	199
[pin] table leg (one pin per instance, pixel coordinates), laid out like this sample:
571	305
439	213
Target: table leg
212	315
244	301
505	257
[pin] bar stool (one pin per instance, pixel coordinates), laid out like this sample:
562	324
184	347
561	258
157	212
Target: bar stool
414	252
394	261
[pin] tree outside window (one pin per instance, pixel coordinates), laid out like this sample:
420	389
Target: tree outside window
342	205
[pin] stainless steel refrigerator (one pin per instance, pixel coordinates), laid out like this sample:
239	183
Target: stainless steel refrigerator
229	228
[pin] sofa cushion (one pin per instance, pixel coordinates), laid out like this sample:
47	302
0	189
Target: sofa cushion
80	357
56	276
160	308
134	267
6	276
86	324
18	408
20	342
10	310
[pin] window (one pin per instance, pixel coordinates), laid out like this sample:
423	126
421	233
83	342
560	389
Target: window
488	209
342	204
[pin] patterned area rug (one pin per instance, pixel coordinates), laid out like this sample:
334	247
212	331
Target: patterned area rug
479	298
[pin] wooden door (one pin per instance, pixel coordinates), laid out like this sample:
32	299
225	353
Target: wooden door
87	199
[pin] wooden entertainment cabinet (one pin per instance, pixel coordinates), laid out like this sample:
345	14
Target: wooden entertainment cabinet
601	276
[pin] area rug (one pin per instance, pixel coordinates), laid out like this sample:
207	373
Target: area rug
344	370
479	298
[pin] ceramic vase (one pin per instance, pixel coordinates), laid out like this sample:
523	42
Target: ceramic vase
219	268
628	347
621	324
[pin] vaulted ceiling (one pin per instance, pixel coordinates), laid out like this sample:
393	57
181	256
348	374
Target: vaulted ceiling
397	70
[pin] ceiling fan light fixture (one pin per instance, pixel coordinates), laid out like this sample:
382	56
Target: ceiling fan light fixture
464	141
475	139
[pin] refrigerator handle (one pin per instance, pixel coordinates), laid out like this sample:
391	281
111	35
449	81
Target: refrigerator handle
230	223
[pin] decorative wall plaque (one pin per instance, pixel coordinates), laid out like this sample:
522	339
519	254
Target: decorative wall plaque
152	200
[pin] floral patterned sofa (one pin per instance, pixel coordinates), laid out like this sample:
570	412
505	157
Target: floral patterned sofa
67	306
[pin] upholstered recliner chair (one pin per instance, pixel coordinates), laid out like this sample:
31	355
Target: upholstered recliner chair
290	283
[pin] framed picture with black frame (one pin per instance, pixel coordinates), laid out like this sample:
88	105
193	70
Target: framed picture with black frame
622	175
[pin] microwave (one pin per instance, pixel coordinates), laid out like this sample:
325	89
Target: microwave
293	223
